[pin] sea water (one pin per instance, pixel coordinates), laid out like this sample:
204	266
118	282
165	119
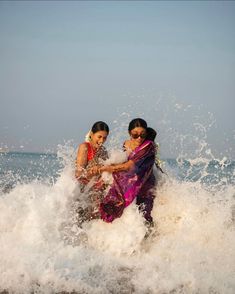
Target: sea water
43	250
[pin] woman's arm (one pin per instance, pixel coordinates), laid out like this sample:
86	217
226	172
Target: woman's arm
126	166
81	161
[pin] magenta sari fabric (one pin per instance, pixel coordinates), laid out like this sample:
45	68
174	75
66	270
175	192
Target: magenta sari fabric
130	184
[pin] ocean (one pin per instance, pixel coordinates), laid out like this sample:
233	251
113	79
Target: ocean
42	250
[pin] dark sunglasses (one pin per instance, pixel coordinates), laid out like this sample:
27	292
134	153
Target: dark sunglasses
136	136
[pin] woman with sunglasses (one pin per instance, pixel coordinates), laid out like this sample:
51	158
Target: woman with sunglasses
133	179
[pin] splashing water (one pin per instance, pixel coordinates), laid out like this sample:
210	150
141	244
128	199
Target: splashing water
190	250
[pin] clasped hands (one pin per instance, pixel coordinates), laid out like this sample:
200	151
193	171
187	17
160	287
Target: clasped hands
95	170
98	169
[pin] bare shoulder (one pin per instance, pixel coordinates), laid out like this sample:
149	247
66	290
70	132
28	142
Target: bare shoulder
83	145
127	144
82	148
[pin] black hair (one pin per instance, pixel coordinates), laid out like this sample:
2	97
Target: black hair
99	126
137	122
151	134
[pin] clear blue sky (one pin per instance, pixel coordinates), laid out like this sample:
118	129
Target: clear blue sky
64	65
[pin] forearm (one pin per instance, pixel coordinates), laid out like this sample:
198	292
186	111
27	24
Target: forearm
118	167
83	176
81	161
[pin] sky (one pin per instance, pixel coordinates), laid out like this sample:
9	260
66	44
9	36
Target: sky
67	64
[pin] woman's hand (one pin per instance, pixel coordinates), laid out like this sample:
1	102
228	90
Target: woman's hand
98	169
95	170
77	174
126	166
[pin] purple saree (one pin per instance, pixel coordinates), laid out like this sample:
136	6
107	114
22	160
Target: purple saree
128	185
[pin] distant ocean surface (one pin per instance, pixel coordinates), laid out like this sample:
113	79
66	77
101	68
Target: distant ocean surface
42	250
20	167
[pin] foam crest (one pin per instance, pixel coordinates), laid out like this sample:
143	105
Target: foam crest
189	251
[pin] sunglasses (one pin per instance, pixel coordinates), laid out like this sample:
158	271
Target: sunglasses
136	136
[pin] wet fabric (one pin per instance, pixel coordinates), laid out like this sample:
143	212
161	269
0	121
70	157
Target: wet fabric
129	185
90	151
93	188
93	158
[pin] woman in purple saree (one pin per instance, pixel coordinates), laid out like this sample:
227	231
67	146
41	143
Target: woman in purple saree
133	179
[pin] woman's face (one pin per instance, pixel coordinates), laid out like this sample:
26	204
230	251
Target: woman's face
98	138
138	135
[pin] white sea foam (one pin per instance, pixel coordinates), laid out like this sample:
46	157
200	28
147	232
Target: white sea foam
191	249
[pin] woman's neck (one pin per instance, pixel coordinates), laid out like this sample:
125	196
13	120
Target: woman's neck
131	145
